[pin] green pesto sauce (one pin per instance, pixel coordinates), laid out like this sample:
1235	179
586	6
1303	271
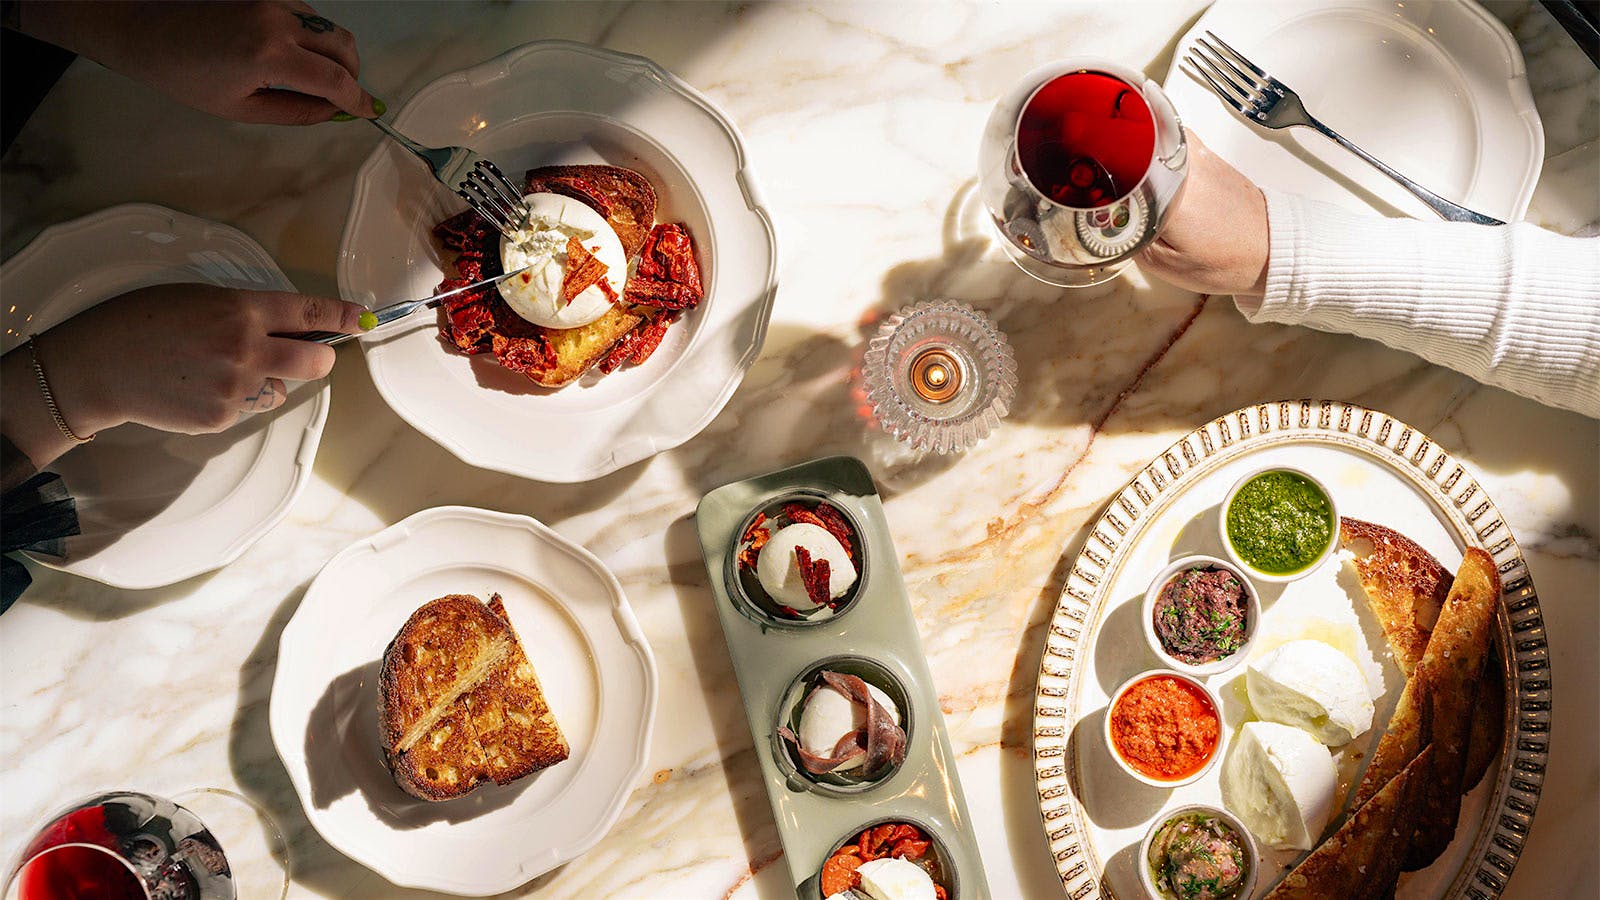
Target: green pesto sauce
1279	523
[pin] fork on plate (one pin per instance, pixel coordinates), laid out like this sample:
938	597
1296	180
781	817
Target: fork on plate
1270	103
479	181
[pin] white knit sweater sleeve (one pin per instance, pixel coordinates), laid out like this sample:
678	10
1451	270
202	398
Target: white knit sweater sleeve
1516	307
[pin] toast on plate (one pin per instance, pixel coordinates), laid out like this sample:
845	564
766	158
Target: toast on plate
625	198
459	703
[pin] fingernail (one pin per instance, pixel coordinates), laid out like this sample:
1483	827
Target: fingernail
368	321
342	117
379	107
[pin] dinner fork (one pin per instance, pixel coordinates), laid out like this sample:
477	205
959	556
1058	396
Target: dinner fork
1270	103
479	181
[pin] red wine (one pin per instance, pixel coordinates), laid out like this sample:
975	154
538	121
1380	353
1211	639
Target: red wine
1085	139
78	872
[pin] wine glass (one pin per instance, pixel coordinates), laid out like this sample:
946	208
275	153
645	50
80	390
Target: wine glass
1079	166
127	845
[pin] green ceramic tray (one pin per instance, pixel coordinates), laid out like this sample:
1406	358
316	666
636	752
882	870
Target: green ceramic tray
875	632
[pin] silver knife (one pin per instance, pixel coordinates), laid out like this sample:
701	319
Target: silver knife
396	311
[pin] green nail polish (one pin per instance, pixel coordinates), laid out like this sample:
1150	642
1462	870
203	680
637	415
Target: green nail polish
368	321
342	117
379	107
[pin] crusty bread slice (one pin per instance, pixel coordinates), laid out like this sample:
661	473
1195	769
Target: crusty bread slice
1410	729
1362	858
1454	667
626	199
459	704
1404	584
578	349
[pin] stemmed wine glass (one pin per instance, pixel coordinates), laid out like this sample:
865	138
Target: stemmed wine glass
1079	165
127	845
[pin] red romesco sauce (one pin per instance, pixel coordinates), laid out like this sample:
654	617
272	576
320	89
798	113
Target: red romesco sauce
1165	728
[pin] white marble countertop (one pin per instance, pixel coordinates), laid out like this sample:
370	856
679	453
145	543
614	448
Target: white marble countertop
863	123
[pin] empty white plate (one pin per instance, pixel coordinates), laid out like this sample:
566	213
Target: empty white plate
592	660
561	103
1435	88
154	507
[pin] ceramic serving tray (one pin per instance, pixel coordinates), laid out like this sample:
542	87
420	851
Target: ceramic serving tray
1377	469
873	635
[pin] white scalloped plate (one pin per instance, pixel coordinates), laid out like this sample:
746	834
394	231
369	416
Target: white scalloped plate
156	508
1378	469
556	102
592	660
1435	88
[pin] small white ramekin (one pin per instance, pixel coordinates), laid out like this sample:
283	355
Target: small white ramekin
1252	616
1111	745
1267	577
1252	854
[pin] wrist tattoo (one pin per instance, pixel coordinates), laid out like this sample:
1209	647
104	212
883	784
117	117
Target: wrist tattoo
314	22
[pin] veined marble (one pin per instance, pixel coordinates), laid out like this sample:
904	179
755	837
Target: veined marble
862	122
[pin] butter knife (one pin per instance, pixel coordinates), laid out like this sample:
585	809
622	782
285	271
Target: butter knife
397	311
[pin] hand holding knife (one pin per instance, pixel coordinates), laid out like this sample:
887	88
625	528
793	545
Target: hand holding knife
395	311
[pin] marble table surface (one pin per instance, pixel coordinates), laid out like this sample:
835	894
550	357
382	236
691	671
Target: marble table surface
862	120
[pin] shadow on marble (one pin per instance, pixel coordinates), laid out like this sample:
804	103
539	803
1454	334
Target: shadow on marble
376	459
91	601
352	762
714	672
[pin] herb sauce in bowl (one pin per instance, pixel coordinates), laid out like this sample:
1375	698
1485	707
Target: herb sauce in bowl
1197	854
1279	523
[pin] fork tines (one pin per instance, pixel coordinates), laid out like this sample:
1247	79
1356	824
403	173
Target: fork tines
487	190
1220	65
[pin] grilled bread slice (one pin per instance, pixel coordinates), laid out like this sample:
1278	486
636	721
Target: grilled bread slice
578	349
1406	589
625	198
459	703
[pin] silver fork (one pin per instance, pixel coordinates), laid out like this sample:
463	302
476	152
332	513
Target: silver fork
479	181
1270	103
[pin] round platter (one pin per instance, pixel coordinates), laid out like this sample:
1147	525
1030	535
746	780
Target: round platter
1379	469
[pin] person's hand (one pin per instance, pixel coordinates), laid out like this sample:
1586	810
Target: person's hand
188	358
261	61
1216	239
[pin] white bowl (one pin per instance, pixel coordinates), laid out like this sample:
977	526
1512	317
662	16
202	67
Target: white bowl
1252	854
1270	578
561	103
1216	752
1252	616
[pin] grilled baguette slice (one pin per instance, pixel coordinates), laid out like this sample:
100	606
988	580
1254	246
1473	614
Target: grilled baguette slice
578	349
459	703
625	198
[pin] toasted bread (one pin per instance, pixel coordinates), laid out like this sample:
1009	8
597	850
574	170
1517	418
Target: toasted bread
1410	729
1362	858
1404	584
459	704
1454	667
578	349
625	198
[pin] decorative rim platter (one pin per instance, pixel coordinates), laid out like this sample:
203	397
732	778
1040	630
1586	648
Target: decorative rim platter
1380	446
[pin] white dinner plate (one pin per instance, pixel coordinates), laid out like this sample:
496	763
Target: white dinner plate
555	102
154	507
593	664
1435	88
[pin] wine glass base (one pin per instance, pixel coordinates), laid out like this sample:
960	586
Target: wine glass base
255	847
1059	275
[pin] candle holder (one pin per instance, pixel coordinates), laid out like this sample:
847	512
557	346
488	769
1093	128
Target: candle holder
939	376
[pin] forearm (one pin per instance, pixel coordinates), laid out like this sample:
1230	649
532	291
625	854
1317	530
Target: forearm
1516	307
25	416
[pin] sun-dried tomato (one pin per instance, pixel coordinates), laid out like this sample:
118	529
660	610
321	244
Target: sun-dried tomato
755	525
583	269
620	352
609	291
939	893
668	255
650	335
527	356
814	575
469	325
839	874
823	516
659	294
470	269
463	230
909	848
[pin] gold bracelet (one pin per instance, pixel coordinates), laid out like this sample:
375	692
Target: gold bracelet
50	398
